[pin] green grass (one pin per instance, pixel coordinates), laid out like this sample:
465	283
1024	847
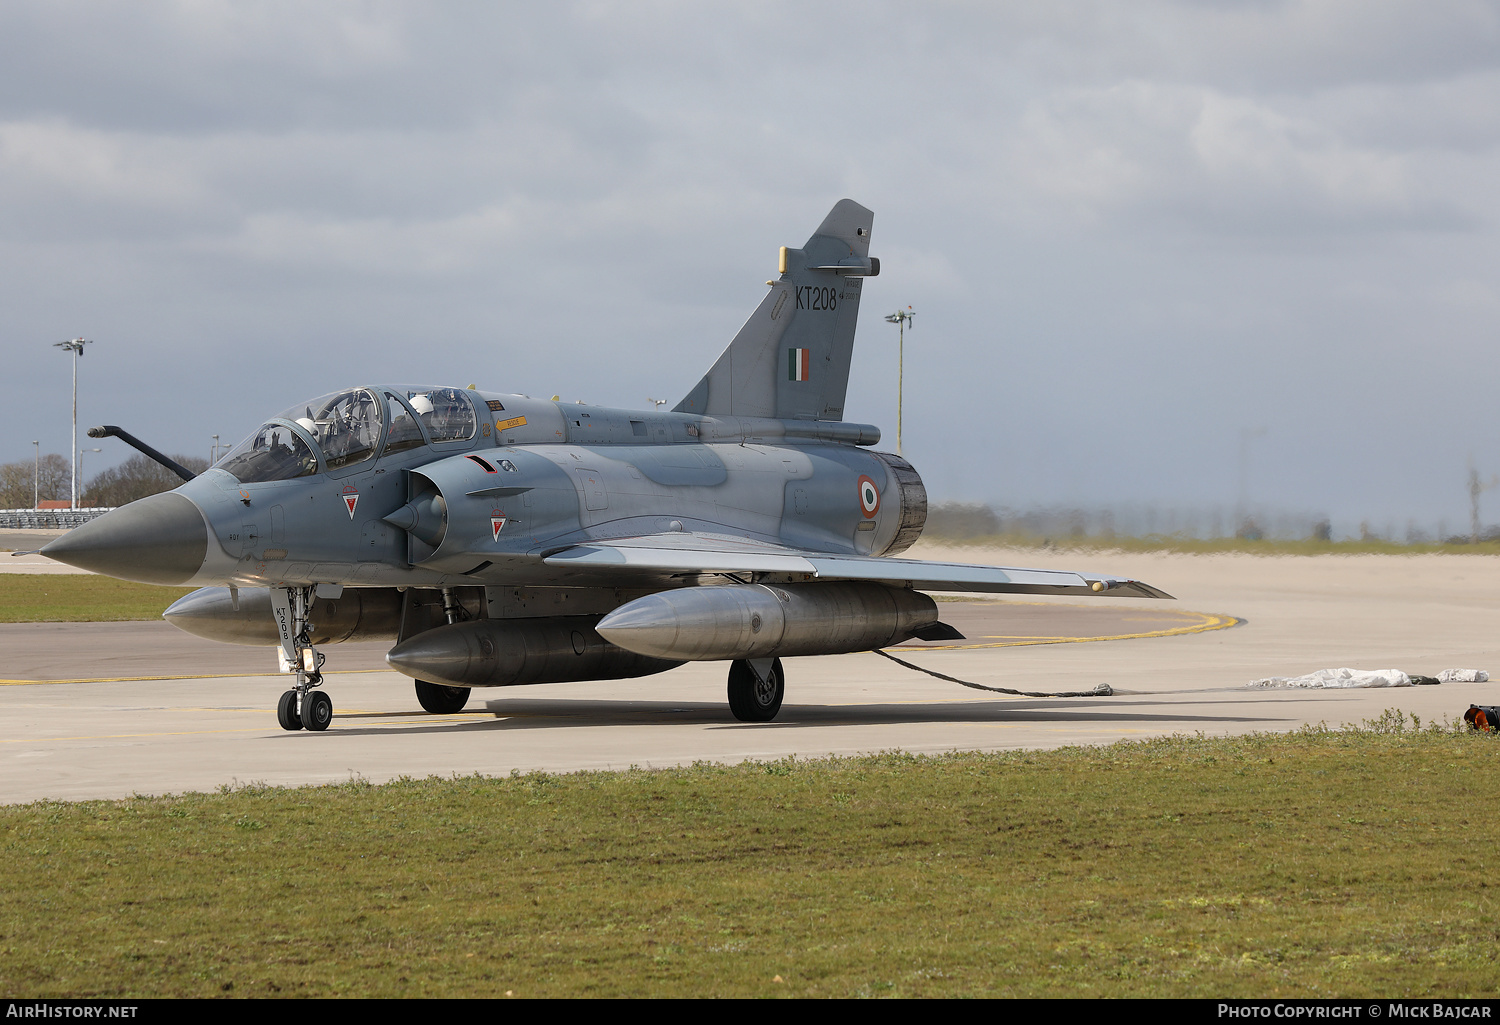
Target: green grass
80	598
1195	546
1322	863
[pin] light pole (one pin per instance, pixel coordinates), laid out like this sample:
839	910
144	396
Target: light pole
80	466
36	477
76	348
214	453
657	403
1243	512
900	318
1477	487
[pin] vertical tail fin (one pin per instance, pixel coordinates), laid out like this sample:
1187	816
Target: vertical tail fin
791	359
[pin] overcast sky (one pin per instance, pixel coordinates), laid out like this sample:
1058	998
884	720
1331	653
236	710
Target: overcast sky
1134	234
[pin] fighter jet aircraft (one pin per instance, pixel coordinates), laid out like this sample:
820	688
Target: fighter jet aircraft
500	539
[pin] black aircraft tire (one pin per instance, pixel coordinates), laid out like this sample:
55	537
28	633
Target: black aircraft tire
286	711
317	711
440	699
748	699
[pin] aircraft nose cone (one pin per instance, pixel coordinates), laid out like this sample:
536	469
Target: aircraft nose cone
158	540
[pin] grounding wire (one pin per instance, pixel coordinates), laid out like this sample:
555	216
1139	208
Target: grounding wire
1104	690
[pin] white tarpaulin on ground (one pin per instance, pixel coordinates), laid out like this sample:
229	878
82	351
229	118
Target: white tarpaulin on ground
1463	676
1346	678
1336	678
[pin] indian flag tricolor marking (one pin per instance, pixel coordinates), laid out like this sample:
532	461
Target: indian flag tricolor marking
797	361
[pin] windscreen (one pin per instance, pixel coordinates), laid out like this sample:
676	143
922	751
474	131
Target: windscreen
274	452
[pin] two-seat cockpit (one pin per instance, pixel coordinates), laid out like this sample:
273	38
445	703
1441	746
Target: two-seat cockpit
347	427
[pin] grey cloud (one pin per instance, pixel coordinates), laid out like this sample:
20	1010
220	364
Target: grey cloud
1129	230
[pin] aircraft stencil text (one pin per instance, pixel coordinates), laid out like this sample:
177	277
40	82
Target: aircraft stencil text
811	297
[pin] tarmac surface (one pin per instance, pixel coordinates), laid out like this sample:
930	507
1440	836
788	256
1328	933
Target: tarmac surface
109	709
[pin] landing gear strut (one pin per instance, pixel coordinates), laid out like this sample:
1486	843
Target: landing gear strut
756	687
300	708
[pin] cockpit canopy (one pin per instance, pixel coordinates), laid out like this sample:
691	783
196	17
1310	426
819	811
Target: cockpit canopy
348	427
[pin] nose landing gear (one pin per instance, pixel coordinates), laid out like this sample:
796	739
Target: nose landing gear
300	708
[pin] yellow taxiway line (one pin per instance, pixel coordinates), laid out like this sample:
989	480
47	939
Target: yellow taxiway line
1206	621
446	720
190	676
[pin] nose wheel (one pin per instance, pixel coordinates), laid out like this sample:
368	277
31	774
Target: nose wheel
300	708
317	711
286	711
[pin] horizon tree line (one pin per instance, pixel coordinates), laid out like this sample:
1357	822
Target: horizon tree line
50	479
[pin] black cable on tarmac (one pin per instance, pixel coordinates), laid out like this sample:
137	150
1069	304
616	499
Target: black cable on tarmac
1104	690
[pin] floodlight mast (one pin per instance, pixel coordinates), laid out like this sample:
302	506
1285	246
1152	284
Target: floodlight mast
900	318
1477	487
75	346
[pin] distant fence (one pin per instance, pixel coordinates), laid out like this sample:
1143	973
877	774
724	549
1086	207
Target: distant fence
43	519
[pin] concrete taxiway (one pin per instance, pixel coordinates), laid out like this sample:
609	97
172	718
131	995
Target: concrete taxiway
206	719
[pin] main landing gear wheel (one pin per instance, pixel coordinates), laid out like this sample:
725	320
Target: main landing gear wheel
440	699
317	711
752	699
286	711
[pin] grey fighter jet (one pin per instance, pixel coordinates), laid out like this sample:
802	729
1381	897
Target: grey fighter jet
499	539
